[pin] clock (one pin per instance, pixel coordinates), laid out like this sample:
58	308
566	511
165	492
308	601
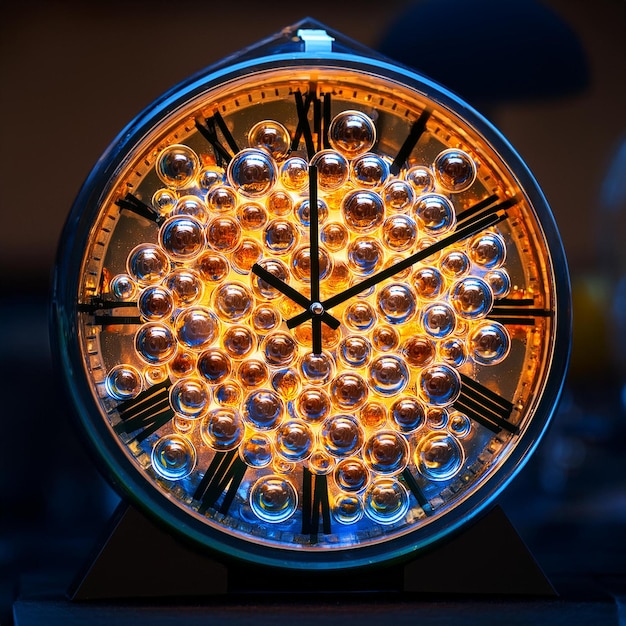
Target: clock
311	309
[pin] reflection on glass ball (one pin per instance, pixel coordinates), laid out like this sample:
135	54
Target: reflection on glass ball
294	441
272	137
428	282
301	264
360	316
355	351
499	282
228	393
238	341
294	173
177	165
370	170
233	302
223	234
279	348
455	263
334	236
185	286
164	200
190	398
252	172
173	457
435	213
408	414
148	264
399	232
460	425
347	508
213	267
276	268
386	452
211	176
418	350
320	462
489	343
421	178
365	255
348	391
373	415
363	210
440	385
455	170
385	338
488	250
317	368
123	287
155	343
388	375
279	203
351	475
471	298
252	373
280	236
396	302
155	303
287	383
352	133
256	450
439	456
222	429
196	328
313	404
341	435
214	365
252	216
386	501
263	409
182	364
273	499
265	318
332	170
123	382
303	212
453	352
182	237
398	195
191	206
247	253
222	199
439	320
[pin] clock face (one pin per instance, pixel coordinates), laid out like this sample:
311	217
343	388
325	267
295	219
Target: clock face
310	315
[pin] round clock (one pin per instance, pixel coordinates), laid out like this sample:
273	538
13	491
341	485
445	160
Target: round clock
311	308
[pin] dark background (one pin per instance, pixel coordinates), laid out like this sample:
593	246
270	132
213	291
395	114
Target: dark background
551	75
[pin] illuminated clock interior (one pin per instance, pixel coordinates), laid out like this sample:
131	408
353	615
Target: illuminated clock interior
209	376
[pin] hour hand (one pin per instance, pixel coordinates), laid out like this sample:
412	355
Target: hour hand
315	309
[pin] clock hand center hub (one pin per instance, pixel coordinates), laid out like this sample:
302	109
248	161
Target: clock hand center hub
317	309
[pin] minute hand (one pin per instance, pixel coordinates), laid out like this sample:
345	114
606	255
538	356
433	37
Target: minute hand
493	217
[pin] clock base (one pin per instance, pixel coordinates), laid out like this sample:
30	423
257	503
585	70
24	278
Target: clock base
457	567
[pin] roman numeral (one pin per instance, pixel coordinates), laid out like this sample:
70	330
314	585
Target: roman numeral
483	208
315	504
416	490
223	476
484	406
138	207
209	131
100	310
518	311
321	122
146	413
417	130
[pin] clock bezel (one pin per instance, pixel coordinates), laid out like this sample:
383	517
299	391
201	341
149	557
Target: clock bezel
134	485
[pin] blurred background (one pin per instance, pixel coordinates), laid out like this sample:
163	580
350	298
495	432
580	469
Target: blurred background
550	74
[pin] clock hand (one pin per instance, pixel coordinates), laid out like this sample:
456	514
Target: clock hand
479	223
316	307
296	296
